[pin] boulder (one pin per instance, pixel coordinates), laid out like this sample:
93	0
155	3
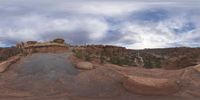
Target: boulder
150	86
84	65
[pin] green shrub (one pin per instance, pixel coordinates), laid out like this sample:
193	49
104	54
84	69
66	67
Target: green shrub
87	57
78	54
115	60
153	63
121	61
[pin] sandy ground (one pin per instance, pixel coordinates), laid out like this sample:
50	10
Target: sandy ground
45	76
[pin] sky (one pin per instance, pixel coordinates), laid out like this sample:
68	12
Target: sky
134	24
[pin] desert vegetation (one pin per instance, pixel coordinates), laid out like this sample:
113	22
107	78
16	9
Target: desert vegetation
168	58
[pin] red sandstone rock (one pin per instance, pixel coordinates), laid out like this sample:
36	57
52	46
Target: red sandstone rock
4	65
46	47
150	86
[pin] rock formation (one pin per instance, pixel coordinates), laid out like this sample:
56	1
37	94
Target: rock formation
168	58
150	86
54	46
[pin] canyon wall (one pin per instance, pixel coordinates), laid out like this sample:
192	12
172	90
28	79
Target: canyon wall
167	58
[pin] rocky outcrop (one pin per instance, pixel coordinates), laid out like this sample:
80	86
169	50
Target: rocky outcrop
84	65
150	86
45	48
55	46
4	65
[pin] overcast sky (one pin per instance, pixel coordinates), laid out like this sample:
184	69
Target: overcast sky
135	24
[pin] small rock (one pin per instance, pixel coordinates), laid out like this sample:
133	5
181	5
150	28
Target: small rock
85	65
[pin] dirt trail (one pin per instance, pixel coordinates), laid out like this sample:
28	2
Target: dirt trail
46	76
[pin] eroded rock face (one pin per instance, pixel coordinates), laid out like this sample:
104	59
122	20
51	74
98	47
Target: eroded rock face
46	49
150	86
84	65
55	46
168	58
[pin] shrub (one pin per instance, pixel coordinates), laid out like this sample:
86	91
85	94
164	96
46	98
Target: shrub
153	63
120	61
78	54
87	57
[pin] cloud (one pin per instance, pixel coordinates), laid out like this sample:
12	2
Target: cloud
37	27
133	24
177	30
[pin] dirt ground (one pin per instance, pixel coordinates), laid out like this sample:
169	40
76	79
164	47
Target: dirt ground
46	76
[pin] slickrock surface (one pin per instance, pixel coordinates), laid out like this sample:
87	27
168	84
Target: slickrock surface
47	76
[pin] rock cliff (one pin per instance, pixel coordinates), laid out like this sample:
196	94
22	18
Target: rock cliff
55	46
